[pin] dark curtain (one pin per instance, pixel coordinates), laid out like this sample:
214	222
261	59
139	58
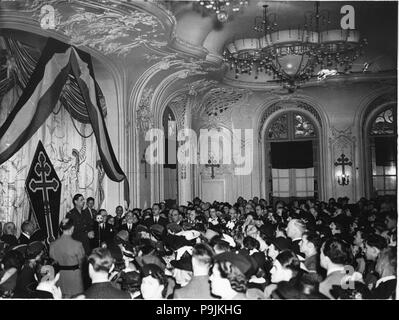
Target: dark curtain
385	150
292	155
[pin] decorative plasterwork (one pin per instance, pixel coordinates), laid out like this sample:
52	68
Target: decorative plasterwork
216	106
341	139
178	106
107	26
145	118
200	86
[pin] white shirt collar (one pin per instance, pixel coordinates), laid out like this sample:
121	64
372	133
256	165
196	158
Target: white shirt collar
45	286
26	235
253	251
383	279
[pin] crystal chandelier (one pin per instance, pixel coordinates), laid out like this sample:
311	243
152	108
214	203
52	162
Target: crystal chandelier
223	8
293	56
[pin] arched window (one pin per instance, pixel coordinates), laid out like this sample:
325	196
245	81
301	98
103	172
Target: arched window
292	146
382	136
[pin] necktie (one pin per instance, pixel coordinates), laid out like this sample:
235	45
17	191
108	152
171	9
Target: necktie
129	227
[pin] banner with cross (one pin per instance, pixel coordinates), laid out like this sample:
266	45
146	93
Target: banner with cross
44	191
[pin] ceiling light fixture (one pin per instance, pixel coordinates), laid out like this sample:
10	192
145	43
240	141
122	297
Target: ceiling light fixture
223	8
293	56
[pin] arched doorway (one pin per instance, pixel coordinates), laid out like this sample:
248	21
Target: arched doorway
292	157
381	151
170	175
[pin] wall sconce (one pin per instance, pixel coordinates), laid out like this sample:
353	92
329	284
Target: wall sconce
343	180
343	161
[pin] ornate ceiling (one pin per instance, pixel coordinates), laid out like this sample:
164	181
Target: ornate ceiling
141	33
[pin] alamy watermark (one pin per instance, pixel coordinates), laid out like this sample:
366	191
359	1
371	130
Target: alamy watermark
226	148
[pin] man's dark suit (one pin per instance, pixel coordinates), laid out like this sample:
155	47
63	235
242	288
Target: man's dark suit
23	239
101	234
384	290
131	231
105	290
92	214
295	248
83	224
150	221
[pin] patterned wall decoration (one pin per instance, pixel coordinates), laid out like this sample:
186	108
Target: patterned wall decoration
106	26
178	105
215	108
200	86
145	118
341	139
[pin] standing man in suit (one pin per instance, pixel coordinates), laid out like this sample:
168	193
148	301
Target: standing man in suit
101	264
27	229
102	231
156	218
130	225
118	217
198	287
90	208
70	255
83	224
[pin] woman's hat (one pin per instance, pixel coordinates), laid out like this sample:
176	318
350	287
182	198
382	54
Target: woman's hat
34	249
141	228
238	260
157	230
21	248
184	263
174	228
282	243
123	235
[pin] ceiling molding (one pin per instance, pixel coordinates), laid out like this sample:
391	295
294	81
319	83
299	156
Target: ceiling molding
360	77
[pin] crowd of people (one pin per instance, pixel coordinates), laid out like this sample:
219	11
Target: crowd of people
250	250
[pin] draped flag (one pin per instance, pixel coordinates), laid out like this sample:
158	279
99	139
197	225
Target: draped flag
44	191
39	98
